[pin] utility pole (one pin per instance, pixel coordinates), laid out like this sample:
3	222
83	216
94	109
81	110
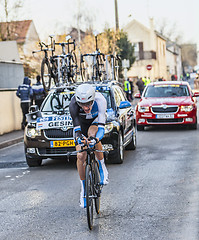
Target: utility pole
116	17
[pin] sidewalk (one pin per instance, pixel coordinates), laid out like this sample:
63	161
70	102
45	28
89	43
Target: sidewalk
11	138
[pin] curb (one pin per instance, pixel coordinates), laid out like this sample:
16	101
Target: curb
11	142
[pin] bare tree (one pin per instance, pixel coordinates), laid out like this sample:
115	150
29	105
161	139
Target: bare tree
10	12
169	30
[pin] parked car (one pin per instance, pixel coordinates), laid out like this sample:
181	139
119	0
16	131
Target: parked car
49	133
167	103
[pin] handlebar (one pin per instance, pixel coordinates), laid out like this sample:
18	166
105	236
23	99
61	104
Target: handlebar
61	56
88	149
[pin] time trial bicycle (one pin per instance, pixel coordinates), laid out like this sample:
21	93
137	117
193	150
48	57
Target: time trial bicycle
92	181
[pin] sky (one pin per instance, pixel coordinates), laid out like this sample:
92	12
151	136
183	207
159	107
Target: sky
52	16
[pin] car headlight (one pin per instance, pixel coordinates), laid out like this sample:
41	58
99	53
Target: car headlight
108	127
143	109
32	132
188	108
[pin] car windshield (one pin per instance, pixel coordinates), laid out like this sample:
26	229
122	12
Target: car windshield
106	94
58	102
167	91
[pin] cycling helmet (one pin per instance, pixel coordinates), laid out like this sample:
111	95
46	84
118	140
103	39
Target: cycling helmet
84	93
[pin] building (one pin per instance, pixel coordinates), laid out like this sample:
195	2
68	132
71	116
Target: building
11	75
189	57
173	59
150	49
11	67
23	32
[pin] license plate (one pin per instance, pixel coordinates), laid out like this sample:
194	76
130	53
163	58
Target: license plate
165	116
62	143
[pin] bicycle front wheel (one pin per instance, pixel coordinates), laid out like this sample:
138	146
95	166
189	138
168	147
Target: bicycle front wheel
97	187
89	196
46	74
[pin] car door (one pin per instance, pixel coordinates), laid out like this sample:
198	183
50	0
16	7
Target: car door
124	119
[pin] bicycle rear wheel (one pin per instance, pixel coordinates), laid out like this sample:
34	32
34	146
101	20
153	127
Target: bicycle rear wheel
73	67
97	187
116	69
89	196
46	74
54	71
101	71
84	71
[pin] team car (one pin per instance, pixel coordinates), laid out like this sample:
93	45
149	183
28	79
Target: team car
49	132
167	103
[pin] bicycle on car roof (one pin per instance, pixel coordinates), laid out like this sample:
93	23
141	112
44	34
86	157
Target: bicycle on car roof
48	64
92	65
67	63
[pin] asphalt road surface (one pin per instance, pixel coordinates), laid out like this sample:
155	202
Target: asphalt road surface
153	195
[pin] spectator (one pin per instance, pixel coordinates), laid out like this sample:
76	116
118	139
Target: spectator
25	93
132	89
140	85
173	77
38	92
127	89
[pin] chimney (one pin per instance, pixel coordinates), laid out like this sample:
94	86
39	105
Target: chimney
152	35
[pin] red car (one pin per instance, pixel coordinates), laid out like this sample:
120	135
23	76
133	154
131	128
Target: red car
167	103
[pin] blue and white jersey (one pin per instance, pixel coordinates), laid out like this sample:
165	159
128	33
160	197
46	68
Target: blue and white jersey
97	114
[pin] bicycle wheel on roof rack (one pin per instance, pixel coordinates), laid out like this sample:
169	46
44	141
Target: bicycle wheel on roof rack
116	69
73	67
46	74
84	71
54	71
101	70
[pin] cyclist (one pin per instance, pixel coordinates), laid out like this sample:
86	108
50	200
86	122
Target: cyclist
88	110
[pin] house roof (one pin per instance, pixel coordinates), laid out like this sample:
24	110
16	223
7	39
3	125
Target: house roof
74	34
135	22
17	30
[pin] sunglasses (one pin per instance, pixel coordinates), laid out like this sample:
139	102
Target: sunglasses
87	104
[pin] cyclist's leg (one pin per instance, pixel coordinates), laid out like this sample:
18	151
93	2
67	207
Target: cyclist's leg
92	131
81	160
81	164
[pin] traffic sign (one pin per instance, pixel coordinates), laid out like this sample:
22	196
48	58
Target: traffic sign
125	63
149	67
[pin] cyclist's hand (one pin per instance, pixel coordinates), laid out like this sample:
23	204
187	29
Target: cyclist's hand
92	141
81	141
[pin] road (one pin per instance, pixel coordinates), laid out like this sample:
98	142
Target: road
153	195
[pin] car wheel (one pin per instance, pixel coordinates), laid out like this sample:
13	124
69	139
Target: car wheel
118	155
140	128
132	144
33	162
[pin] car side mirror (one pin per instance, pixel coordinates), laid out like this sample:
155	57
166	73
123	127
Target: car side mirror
137	95
124	104
196	94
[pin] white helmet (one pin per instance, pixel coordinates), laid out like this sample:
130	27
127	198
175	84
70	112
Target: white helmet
84	93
